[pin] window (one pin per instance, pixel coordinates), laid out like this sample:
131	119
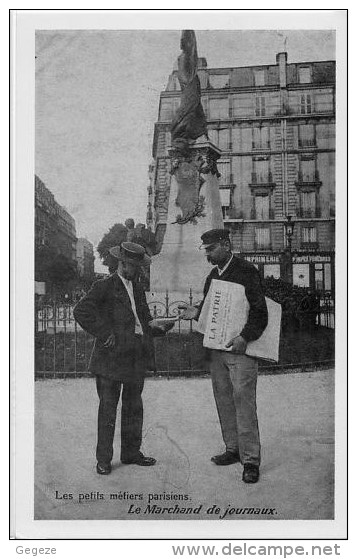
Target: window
220	138
242	106
204	101
301	275
306	135
262	237
272	270
259	77
224	168
236	139
327	276
261	207
176	104
225	194
308	172
166	110
324	102
167	142
305	104
305	75
309	235
173	84
218	108
308	204
217	81
261	172
319	276
261	138
260	106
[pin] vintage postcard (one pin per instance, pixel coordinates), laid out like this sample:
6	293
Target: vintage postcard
155	152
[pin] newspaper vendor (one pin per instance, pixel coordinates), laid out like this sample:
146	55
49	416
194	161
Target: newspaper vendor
234	374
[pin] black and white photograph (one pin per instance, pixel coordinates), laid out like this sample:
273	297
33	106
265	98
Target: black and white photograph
185	290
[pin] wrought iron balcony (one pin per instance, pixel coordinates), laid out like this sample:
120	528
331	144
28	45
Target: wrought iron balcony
310	245
262	246
308	213
262	178
309	178
262	217
304	143
261	145
232	213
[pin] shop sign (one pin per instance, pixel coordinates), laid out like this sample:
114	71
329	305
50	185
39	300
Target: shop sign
306	258
263	259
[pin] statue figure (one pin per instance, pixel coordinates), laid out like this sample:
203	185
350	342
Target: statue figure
130	224
189	122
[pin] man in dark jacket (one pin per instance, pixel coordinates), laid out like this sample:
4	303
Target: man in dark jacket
115	311
234	374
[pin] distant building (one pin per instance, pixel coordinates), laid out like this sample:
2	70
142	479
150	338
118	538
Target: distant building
55	228
85	259
275	126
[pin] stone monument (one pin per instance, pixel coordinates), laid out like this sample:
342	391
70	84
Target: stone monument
194	201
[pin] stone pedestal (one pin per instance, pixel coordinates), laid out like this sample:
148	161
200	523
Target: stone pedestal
194	207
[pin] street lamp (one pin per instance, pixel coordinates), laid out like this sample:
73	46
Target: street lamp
289	231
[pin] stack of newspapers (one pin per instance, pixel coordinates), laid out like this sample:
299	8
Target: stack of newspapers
224	315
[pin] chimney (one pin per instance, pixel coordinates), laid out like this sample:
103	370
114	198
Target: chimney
281	60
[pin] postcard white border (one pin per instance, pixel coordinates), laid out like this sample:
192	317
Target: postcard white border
23	75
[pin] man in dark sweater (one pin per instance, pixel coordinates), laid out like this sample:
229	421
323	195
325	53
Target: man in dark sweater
234	374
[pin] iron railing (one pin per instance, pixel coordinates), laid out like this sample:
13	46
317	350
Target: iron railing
61	346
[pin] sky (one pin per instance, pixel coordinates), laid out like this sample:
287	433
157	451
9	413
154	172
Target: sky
97	99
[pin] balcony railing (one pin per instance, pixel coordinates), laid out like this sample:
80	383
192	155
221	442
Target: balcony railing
262	216
309	245
308	212
232	213
261	145
262	178
262	246
309	178
307	143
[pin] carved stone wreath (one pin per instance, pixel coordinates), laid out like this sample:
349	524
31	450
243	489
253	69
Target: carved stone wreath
205	163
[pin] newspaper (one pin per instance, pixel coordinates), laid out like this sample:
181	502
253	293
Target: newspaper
224	314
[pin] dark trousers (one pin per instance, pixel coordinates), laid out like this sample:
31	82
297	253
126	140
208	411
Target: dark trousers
131	417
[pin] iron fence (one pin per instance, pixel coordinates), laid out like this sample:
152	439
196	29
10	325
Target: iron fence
62	346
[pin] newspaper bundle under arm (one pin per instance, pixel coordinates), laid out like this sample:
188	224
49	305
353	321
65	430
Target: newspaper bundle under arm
224	315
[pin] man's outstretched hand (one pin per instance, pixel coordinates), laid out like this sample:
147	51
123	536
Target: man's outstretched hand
163	324
188	312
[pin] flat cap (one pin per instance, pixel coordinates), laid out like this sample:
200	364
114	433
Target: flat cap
130	252
214	236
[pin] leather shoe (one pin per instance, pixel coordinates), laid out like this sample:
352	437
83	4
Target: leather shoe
104	469
140	460
250	473
226	458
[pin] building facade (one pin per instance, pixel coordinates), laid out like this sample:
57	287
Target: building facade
275	127
85	259
55	228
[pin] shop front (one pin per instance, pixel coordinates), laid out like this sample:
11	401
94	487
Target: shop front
315	271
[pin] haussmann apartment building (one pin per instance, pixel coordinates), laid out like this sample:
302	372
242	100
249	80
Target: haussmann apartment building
275	126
